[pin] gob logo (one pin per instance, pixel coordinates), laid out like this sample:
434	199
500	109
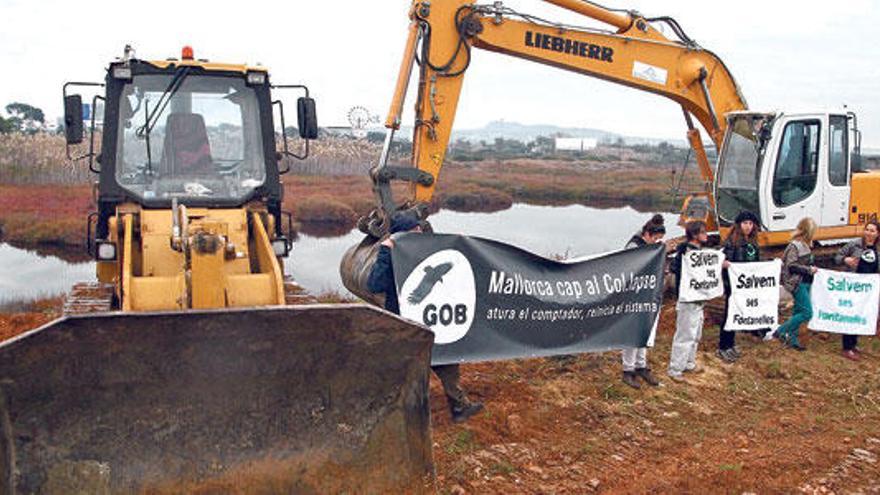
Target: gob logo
440	292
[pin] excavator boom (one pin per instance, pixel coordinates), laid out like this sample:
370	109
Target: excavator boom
635	55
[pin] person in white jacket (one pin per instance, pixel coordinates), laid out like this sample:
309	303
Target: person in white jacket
689	315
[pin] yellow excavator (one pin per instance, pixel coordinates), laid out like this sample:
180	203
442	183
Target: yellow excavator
182	368
782	166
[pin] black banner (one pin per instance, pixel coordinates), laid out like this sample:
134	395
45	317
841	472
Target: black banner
486	300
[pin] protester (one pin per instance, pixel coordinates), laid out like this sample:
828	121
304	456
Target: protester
859	256
741	246
798	268
635	360
381	280
689	319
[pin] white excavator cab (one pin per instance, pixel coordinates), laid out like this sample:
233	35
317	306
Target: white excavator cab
785	167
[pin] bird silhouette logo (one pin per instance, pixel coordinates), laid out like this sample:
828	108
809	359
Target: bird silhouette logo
433	274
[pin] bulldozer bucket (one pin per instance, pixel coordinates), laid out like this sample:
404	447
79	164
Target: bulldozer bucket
305	399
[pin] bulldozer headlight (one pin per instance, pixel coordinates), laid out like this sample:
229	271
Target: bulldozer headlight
105	251
256	78
281	247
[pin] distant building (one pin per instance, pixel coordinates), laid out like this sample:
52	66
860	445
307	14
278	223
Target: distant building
575	144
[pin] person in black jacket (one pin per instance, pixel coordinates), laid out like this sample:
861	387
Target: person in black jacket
381	280
741	246
635	360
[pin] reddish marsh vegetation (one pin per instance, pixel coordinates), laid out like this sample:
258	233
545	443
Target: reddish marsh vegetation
44	200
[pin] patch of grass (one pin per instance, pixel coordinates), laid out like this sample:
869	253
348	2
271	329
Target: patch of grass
502	468
476	199
614	392
463	442
730	467
588	449
682	394
324	209
773	370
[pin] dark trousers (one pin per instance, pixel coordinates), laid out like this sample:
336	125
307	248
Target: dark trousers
850	342
450	377
726	339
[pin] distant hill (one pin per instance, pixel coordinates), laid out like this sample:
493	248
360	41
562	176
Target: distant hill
528	132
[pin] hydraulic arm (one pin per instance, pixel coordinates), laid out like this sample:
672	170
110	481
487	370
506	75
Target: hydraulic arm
636	54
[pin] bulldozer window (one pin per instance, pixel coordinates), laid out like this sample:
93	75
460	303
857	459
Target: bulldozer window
797	163
206	143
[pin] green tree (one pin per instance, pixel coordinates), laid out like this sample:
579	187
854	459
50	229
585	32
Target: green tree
24	117
6	126
544	144
375	137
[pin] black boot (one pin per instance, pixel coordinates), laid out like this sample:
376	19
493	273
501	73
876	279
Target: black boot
629	378
463	410
646	375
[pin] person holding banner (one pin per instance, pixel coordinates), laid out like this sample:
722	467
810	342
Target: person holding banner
741	246
689	315
798	268
381	280
859	256
635	360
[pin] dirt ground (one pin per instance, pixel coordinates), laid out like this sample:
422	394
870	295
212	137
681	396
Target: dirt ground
777	421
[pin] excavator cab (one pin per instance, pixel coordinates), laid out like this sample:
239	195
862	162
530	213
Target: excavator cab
785	167
183	368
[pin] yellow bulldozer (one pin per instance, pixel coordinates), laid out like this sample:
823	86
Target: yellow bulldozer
182	366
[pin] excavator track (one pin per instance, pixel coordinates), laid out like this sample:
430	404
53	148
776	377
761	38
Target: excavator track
295	294
95	297
89	297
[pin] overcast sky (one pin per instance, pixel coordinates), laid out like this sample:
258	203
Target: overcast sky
786	55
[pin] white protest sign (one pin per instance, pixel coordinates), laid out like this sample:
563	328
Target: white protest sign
754	295
845	302
701	275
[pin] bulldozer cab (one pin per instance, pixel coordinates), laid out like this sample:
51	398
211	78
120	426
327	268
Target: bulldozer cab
207	144
192	131
189	197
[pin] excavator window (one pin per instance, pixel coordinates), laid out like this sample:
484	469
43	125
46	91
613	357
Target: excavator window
738	168
838	166
206	142
797	163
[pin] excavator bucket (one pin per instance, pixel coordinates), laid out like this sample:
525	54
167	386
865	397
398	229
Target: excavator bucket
305	399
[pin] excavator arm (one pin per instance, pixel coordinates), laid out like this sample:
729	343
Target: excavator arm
442	34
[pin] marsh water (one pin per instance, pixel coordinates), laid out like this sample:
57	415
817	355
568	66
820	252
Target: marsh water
552	231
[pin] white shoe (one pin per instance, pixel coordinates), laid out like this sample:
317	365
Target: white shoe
769	335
